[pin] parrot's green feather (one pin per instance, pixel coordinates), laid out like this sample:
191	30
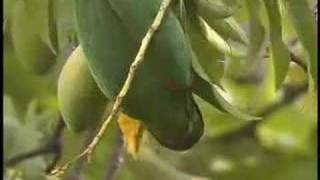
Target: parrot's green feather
110	33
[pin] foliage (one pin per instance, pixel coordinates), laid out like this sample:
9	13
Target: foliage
254	70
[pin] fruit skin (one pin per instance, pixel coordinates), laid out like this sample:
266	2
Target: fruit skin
30	49
81	102
34	87
110	33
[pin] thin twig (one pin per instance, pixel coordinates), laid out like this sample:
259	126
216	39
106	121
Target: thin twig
116	158
290	93
53	146
294	58
55	160
116	106
80	165
27	155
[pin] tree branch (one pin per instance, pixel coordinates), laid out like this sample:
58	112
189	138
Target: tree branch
27	155
80	165
294	58
290	93
116	106
116	158
53	146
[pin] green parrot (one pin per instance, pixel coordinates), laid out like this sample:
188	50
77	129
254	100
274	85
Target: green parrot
110	32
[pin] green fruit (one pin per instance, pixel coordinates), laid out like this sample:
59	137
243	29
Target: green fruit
30	49
34	87
81	102
110	33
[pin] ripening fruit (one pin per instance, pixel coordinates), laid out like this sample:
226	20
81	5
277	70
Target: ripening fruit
32	52
81	102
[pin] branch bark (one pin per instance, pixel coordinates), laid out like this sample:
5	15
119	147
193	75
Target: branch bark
76	173
53	146
290	93
116	158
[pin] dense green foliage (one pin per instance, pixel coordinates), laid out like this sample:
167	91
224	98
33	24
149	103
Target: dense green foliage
231	82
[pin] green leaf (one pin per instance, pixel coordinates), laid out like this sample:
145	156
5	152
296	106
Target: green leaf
305	26
30	49
251	91
217	122
212	95
240	157
256	30
287	130
215	39
21	85
206	56
20	138
65	23
8	8
228	28
52	23
279	52
213	9
151	166
40	15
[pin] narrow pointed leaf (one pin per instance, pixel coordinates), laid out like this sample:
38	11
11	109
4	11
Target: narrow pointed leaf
305	26
229	29
279	52
210	93
256	30
212	9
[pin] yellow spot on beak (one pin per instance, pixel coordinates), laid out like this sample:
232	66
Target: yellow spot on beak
132	131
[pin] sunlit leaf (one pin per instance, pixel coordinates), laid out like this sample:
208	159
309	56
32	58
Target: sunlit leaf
213	95
305	26
229	29
279	53
287	130
213	9
256	32
217	123
207	57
